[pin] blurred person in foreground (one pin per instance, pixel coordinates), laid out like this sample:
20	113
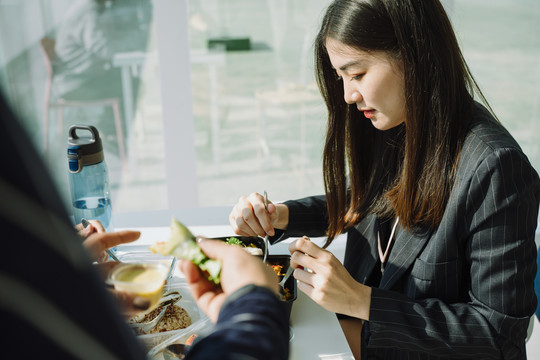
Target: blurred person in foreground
438	201
54	303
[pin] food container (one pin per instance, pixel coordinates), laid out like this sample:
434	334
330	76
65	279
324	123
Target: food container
155	343
248	241
276	260
142	254
158	353
290	284
199	320
144	279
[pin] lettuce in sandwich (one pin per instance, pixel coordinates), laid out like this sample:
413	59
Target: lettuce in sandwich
183	245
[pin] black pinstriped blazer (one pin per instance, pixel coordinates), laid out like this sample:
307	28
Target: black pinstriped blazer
465	289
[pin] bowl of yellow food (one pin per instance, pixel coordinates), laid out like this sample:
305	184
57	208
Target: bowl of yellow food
143	279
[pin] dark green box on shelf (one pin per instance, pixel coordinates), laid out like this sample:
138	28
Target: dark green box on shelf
230	44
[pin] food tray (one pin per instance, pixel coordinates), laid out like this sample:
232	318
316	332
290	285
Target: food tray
290	284
142	254
198	319
254	241
283	260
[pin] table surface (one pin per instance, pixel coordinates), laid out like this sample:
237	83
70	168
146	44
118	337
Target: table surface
316	331
317	334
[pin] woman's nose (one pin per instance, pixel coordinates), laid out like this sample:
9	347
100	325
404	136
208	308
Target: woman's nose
352	95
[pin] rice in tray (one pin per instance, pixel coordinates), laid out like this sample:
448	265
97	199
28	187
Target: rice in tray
176	317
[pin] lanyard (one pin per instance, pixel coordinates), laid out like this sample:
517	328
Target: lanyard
385	255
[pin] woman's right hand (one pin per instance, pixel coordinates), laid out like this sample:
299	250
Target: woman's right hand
238	269
249	217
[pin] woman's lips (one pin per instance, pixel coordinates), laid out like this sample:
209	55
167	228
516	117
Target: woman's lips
368	113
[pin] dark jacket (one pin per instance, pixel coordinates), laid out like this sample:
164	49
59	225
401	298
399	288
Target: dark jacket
464	289
54	305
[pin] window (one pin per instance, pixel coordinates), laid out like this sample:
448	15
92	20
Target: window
218	97
500	42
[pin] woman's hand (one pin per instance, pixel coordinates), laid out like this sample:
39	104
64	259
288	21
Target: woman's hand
238	268
328	283
96	240
93	227
97	243
249	216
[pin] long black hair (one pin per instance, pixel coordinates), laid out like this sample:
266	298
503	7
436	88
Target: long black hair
414	175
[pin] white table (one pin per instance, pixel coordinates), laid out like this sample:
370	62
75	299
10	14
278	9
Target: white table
317	333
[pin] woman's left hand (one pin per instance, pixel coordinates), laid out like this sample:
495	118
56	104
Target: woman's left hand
328	283
94	226
96	240
97	243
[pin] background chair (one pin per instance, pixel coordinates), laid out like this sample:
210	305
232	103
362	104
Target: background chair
47	46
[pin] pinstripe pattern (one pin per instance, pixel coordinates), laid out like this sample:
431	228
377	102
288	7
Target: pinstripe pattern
465	289
52	302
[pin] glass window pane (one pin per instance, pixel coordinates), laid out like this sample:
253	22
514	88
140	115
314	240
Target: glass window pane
89	62
243	113
500	41
259	118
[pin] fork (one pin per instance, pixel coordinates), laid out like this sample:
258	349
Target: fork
266	236
165	302
171	268
147	326
287	275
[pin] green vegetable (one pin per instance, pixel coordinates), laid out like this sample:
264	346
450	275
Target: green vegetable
234	241
183	245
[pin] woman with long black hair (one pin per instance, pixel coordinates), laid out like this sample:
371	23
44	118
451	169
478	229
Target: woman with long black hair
438	200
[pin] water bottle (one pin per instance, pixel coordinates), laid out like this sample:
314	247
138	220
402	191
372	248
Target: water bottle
88	177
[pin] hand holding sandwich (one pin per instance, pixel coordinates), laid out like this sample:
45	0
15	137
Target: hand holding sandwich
238	268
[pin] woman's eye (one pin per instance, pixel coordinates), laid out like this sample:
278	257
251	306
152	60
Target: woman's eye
357	77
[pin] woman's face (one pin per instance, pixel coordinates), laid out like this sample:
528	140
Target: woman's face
373	81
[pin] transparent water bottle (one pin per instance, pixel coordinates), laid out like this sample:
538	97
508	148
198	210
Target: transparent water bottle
88	176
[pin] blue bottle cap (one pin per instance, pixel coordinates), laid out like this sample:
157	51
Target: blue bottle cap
83	150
